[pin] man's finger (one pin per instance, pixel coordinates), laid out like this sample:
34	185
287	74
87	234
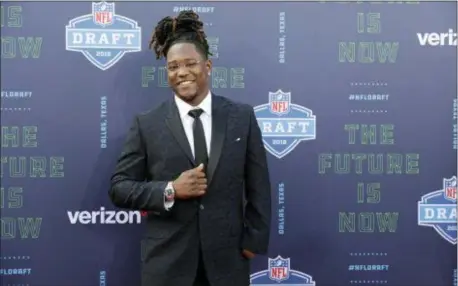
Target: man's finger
201	181
200	193
200	175
248	254
200	188
200	167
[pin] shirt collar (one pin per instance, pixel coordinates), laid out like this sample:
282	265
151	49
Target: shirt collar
184	107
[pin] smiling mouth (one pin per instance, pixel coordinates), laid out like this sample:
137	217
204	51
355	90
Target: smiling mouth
185	83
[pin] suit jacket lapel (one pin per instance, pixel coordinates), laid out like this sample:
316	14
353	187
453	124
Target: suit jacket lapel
175	125
219	122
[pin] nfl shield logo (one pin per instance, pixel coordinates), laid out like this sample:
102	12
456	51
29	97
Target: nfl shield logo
279	102
279	269
103	13
450	189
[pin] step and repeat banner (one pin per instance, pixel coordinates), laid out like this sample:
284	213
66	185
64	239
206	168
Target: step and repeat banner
356	102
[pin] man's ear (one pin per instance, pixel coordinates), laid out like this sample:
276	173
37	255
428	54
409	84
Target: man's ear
208	66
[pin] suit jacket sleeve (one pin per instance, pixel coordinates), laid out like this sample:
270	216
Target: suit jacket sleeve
258	193
129	188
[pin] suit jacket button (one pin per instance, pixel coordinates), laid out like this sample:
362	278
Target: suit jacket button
201	207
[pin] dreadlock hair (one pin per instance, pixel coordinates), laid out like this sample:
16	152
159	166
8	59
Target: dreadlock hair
185	28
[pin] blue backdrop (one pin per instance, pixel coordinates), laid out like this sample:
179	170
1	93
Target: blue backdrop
357	104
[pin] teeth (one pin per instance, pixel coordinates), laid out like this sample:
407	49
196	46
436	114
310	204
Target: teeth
185	82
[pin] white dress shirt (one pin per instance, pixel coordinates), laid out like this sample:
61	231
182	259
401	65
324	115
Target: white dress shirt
187	121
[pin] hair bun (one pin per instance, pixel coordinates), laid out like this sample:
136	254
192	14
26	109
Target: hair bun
187	21
185	26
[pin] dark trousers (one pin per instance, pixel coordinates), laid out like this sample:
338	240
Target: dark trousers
201	277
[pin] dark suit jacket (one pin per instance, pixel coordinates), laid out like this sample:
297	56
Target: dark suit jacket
156	152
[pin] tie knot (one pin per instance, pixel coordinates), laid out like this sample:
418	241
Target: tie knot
195	113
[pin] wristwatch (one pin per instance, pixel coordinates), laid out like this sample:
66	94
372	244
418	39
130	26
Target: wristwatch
169	192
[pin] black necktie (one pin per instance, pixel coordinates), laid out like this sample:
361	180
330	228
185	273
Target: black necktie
200	146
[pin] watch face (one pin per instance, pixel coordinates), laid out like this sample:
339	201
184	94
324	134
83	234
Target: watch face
169	194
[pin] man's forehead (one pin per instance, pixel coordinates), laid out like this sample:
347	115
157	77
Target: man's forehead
182	51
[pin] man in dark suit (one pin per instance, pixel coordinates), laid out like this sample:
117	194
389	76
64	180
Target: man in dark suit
197	164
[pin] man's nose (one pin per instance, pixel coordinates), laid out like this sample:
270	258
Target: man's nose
182	71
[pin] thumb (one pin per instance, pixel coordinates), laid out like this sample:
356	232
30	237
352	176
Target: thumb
200	167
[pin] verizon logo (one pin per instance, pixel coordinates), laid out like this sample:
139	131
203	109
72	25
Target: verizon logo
438	39
103	216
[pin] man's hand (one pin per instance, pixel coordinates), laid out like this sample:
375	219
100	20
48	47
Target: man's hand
191	183
248	254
